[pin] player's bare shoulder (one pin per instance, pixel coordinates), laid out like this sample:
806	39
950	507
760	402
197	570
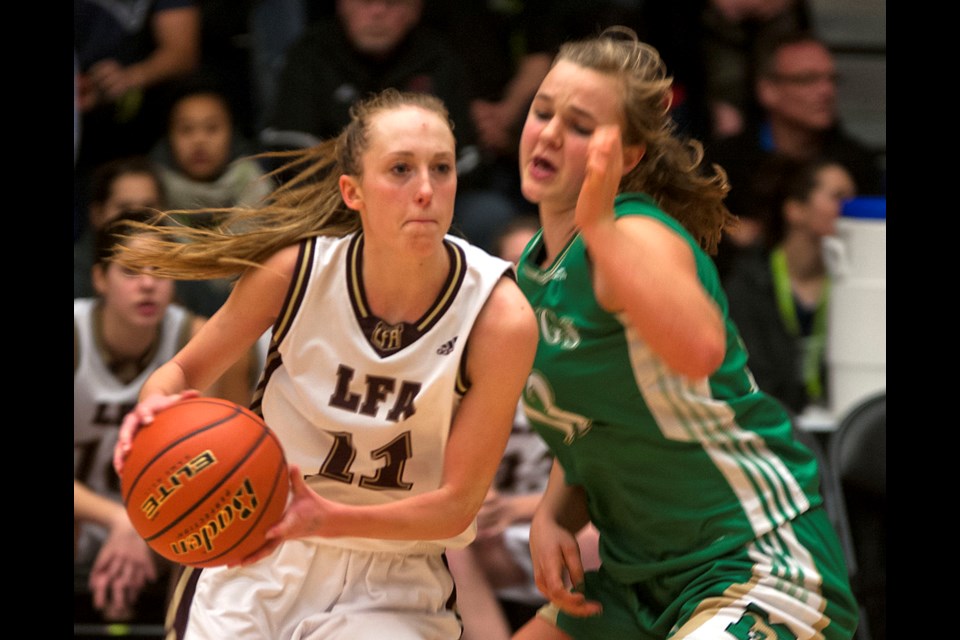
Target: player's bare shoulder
507	325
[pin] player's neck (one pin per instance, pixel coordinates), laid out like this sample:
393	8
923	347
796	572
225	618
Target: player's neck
125	349
403	290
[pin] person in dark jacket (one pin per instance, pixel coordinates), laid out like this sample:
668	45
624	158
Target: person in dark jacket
778	294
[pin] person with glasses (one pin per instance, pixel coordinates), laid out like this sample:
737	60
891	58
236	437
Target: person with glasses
796	87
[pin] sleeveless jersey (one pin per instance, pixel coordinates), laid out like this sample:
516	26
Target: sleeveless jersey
363	407
677	471
100	401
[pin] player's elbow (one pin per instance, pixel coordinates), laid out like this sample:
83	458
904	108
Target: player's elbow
461	511
699	358
456	519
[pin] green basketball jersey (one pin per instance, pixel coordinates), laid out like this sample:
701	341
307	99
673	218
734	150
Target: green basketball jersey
677	471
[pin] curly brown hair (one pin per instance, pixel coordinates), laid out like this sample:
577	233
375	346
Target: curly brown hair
672	169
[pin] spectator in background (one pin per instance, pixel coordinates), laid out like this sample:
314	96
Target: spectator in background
505	60
508	48
796	86
732	30
778	295
369	45
225	56
127	53
274	25
117	185
204	162
366	45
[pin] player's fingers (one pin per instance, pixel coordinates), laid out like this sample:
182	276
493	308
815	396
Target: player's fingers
128	427
119	587
98	588
149	570
549	578
575	604
571	559
141	415
298	484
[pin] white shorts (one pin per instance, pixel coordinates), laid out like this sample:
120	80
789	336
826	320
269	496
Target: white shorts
310	591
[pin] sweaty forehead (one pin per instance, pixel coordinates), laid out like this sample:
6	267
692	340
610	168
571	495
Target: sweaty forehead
398	128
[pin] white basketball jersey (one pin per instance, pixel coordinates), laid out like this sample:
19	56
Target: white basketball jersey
100	401
365	408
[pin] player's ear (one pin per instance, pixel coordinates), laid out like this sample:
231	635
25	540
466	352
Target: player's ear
350	192
98	276
632	153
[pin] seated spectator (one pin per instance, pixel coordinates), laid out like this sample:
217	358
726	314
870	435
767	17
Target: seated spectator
124	183
273	25
796	87
732	31
128	53
367	46
778	295
121	335
205	163
507	49
494	575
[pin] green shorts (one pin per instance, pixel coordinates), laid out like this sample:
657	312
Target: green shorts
791	583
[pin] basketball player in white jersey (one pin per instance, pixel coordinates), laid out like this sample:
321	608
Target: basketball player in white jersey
397	357
121	336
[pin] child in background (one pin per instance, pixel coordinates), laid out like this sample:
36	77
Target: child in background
204	160
204	163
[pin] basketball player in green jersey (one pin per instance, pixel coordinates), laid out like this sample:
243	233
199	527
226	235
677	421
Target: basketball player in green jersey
710	520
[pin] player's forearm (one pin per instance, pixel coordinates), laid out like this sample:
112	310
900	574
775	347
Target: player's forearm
431	516
91	506
563	503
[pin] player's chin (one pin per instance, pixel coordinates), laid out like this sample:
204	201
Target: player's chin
531	189
424	233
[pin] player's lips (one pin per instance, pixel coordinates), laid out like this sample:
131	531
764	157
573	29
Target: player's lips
147	308
422	219
540	168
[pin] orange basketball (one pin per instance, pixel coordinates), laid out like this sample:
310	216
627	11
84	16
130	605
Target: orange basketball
204	482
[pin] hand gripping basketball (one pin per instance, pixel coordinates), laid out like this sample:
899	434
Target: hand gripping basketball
143	414
203	481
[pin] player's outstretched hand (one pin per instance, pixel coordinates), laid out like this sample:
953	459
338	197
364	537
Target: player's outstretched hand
142	415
